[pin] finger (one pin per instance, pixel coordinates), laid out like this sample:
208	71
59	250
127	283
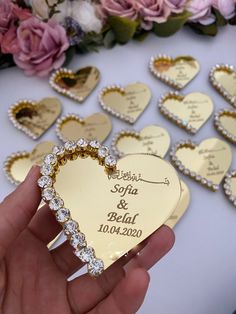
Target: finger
65	259
44	225
92	291
158	245
128	295
18	208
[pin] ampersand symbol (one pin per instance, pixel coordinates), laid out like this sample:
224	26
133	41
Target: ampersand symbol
122	204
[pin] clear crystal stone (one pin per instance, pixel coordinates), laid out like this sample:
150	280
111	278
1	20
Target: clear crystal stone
63	214
94	144
85	255
110	161
44	182
78	239
103	152
82	143
56	203
50	159
70	146
48	194
70	227
58	150
46	170
95	267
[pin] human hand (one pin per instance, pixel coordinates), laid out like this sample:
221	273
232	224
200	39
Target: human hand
34	280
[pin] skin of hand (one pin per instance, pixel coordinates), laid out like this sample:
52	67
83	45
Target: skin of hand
34	280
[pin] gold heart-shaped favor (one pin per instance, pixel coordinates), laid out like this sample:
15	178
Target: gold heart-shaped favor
225	123
152	139
34	118
176	72
206	163
189	112
116	208
181	207
230	186
17	165
76	85
126	103
223	79
72	127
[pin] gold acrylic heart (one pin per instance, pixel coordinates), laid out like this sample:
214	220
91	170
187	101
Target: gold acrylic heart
223	79
34	118
152	139
76	85
181	207
115	209
230	186
225	124
72	127
17	165
126	103
176	72
206	163
189	112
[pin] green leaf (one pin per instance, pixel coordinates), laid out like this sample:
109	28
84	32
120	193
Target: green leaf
109	40
220	20
172	25
141	35
210	30
123	28
233	21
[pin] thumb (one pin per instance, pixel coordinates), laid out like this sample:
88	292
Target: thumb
17	209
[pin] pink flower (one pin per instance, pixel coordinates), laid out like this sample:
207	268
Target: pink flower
6	16
152	11
176	6
226	8
41	46
122	8
9	42
201	11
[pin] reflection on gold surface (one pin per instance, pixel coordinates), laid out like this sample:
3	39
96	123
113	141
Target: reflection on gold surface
228	121
181	207
227	79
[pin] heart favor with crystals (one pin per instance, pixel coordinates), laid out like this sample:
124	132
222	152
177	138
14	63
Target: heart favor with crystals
176	72
76	85
152	139
72	127
223	79
122	211
206	163
34	118
126	103
225	124
190	112
18	164
230	186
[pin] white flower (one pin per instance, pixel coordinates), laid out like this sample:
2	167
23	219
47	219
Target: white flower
84	13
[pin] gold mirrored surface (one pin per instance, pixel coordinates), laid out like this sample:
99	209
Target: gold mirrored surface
181	207
18	165
117	212
79	83
96	126
129	102
152	139
227	79
181	69
211	159
35	118
228	121
193	109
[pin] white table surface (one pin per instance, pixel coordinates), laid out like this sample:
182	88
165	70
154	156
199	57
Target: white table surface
199	275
